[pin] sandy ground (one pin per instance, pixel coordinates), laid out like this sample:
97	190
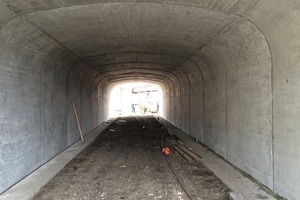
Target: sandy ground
125	162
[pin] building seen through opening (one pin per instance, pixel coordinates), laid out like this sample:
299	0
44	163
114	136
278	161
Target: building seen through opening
136	99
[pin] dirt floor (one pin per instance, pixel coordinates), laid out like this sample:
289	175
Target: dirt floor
126	162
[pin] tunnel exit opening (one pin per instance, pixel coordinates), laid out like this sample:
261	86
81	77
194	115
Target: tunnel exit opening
135	98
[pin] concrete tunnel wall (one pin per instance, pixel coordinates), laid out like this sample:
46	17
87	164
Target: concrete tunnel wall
230	72
36	100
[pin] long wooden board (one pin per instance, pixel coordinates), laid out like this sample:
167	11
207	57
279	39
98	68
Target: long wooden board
190	153
184	155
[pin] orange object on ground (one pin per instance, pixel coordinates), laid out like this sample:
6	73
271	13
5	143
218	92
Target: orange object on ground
166	150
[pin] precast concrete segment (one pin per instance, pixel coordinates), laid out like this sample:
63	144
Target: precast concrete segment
77	86
259	78
33	106
22	51
30	185
5	15
135	70
139	23
194	102
248	99
213	69
53	98
132	57
236	6
136	65
279	27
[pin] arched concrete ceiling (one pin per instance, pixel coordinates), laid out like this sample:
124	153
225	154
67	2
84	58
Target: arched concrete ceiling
157	30
161	34
105	33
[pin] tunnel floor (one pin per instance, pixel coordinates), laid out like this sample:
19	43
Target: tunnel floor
126	162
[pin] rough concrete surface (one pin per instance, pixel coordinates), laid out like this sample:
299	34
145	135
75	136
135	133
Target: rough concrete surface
30	185
229	70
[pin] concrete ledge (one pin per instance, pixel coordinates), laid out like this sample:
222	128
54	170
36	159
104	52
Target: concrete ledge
243	188
30	185
235	196
235	180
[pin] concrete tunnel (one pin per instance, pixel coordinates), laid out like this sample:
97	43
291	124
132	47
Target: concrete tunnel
229	71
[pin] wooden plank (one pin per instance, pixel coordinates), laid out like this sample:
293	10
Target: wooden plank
184	155
190	153
78	124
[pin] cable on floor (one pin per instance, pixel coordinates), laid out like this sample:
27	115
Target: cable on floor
169	163
181	185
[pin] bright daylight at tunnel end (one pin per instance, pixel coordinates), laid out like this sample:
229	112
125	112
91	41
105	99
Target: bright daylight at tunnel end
224	72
